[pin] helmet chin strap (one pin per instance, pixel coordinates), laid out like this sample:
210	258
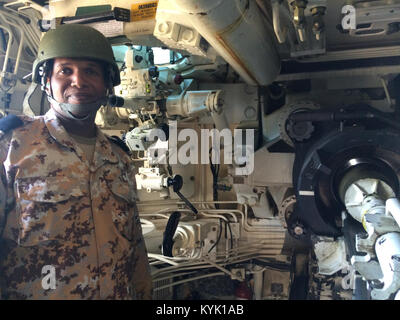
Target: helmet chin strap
70	109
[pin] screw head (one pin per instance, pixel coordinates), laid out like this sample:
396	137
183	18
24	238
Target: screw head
396	258
298	230
178	79
381	241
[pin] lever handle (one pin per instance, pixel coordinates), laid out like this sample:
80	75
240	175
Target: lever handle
177	182
169	232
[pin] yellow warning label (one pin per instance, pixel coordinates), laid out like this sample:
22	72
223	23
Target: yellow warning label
144	11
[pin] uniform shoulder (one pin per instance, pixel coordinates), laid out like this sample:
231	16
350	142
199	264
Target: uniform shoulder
9	125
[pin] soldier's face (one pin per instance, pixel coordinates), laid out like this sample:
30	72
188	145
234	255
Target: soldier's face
77	81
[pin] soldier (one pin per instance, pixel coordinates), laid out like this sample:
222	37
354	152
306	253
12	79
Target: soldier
69	224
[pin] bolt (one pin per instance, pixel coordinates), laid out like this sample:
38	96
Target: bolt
138	58
381	241
178	79
376	284
164	27
317	25
318	10
298	230
187	35
396	258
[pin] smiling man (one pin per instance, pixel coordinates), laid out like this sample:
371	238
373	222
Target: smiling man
69	224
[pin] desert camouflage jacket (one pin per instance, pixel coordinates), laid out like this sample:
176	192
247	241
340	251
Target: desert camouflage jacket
69	229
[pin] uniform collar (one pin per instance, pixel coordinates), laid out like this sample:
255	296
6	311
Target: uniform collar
103	151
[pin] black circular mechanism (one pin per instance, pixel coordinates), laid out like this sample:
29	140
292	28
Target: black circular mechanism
176	182
299	131
153	72
138	58
325	167
298	230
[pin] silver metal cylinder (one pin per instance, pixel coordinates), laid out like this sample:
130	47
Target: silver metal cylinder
387	248
191	103
393	207
258	274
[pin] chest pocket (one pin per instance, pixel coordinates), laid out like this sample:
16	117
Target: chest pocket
123	204
50	208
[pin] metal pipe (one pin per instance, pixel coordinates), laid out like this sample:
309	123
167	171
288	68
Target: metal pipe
197	265
258	276
341	116
22	39
10	39
32	35
219	267
246	227
213	216
280	34
393	208
344	73
27	3
162	258
387	94
387	248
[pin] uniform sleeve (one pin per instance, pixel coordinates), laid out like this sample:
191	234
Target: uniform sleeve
142	280
3	183
3	198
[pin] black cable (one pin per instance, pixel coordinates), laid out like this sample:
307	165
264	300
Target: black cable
322	116
228	224
169	168
219	236
215	172
168	237
3	40
187	202
42	99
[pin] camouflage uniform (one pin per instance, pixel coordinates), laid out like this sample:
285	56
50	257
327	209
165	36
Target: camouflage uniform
59	210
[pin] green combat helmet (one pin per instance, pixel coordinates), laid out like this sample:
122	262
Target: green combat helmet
81	42
75	41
